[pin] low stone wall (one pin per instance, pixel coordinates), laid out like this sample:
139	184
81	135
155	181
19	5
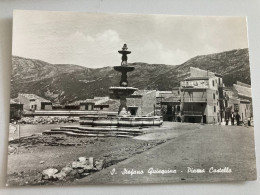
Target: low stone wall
48	120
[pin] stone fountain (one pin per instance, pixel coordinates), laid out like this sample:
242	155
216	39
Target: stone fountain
123	91
102	125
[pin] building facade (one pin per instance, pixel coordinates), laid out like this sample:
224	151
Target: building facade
201	99
168	104
142	103
16	109
33	102
238	100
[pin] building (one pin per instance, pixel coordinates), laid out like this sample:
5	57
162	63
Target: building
16	109
168	104
201	99
142	103
33	102
243	92
99	103
95	104
238	99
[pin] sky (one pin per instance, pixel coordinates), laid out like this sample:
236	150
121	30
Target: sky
93	39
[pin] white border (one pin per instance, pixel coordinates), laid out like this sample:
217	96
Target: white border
249	8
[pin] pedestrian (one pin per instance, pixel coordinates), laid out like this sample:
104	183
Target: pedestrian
249	121
237	118
227	121
232	118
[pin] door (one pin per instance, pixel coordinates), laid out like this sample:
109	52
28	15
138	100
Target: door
204	119
132	111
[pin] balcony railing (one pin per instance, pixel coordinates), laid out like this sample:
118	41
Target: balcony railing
192	113
194	99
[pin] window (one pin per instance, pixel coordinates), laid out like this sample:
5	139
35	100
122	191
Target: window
42	106
214	108
236	107
226	103
190	96
169	109
90	107
213	83
214	96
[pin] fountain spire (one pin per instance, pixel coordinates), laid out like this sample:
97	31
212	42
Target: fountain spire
124	68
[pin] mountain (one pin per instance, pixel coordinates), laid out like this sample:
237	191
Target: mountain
62	83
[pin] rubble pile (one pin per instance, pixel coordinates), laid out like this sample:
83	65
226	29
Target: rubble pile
80	168
47	120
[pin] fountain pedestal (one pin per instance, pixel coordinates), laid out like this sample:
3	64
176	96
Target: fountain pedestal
121	93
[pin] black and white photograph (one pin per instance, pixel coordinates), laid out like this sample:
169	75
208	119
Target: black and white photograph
106	98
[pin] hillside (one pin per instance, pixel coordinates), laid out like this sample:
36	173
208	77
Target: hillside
67	82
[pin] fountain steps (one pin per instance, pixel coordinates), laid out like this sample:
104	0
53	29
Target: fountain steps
86	135
99	128
95	132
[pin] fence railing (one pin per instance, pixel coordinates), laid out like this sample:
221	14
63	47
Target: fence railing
192	113
194	99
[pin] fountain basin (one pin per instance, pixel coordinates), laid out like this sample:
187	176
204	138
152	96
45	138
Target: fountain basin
124	121
125	68
117	92
124	52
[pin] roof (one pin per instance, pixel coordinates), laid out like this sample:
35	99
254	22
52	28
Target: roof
88	101
160	93
14	101
141	92
243	91
96	100
99	98
245	101
243	84
196	78
107	102
33	96
196	71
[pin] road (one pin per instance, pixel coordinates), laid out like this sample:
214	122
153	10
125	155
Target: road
195	148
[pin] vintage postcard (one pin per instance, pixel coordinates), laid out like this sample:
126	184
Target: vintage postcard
129	99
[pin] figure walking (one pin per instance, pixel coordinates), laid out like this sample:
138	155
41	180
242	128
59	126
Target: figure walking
249	121
232	118
237	118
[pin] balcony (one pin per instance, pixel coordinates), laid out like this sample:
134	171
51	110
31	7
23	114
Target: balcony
194	100
193	113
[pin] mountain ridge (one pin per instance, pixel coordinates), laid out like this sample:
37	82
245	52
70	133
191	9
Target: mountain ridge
63	83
